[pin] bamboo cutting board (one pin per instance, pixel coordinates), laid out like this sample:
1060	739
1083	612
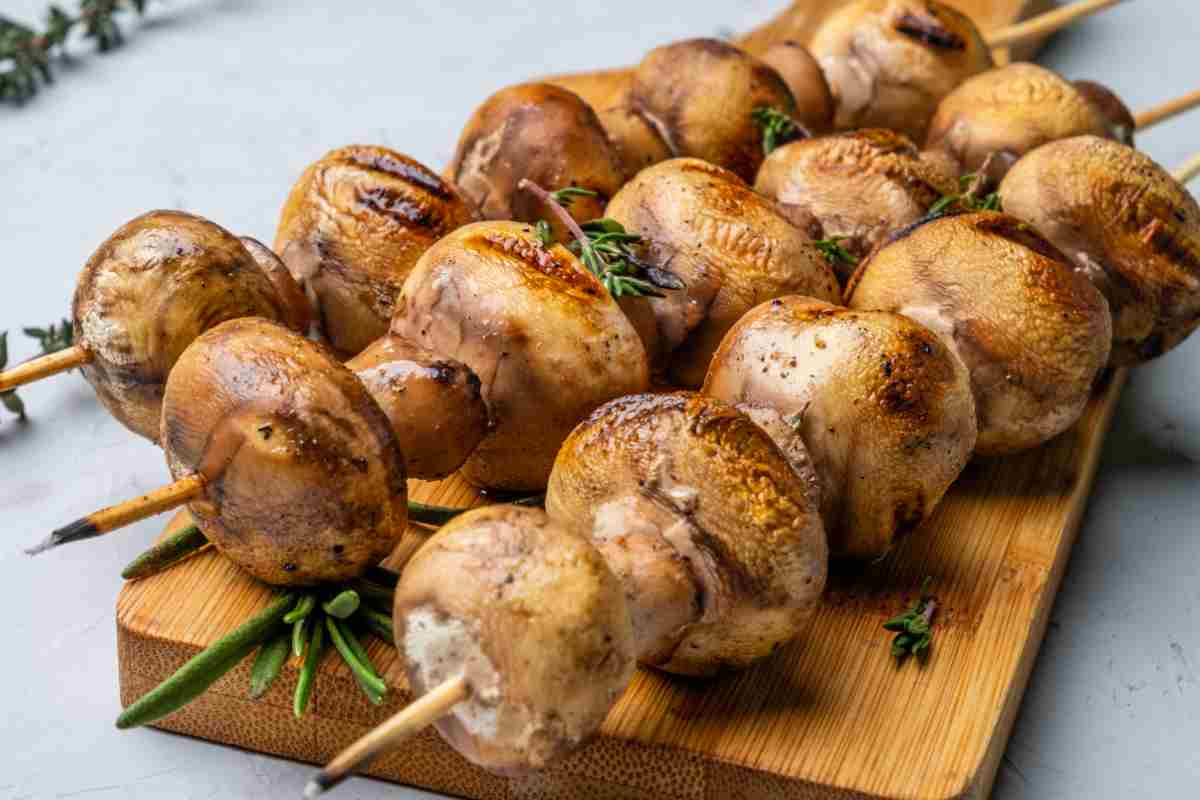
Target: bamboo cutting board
829	716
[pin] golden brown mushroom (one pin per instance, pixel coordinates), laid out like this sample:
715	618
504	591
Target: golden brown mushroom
351	230
1008	111
542	133
303	481
533	620
857	186
721	553
890	62
700	94
545	338
1033	332
434	403
884	408
731	248
147	292
1127	225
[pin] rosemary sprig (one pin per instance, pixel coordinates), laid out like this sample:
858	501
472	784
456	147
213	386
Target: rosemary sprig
10	400
777	128
54	337
914	628
604	247
27	53
833	251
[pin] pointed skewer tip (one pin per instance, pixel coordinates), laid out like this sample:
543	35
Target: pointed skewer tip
318	786
77	531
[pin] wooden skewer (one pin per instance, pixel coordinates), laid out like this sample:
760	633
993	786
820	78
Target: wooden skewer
109	519
1157	114
1045	24
43	367
417	716
1189	170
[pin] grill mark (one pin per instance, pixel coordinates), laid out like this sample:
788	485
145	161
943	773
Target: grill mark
398	167
929	31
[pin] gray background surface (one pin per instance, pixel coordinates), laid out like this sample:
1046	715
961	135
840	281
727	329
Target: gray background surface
216	107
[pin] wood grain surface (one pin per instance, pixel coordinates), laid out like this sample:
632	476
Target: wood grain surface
829	716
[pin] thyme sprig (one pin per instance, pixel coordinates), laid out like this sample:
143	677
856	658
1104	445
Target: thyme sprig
777	128
970	196
10	400
914	628
26	55
54	337
833	251
604	246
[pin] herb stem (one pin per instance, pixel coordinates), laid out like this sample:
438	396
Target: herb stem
179	546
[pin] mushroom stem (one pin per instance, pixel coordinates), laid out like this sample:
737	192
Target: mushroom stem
420	714
1189	170
43	367
1045	24
1152	116
122	514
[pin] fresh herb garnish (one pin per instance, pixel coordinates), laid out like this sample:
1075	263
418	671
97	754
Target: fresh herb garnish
54	337
914	628
777	128
9	399
833	251
604	246
27	53
970	195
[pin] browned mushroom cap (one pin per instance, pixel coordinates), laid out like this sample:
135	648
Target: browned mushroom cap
1127	225
890	62
1120	120
1033	332
543	133
297	310
152	287
701	95
883	407
731	248
434	403
698	512
530	615
634	137
805	80
304	480
352	228
858	186
540	331
1008	111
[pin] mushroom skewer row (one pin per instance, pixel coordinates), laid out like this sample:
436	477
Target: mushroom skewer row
675	534
152	287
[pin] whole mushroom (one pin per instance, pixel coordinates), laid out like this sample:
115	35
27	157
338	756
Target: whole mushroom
729	245
1033	332
542	133
722	555
147	292
1006	112
1126	224
856	187
890	62
883	407
547	341
352	228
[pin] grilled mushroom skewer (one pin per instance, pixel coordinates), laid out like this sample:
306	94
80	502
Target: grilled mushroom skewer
511	616
151	288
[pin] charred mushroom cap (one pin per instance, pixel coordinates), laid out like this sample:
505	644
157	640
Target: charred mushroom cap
545	134
151	288
890	62
731	248
434	403
884	408
702	517
1008	111
541	332
304	479
297	310
532	617
701	95
858	186
805	80
1033	332
1127	225
351	230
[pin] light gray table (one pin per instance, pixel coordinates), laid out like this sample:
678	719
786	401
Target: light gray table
216	107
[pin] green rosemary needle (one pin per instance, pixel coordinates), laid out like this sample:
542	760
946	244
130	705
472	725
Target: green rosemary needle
914	628
777	128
